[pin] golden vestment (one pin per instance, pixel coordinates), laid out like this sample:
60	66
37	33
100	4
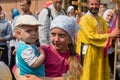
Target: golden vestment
94	33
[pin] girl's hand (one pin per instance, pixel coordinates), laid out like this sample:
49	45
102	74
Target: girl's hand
32	77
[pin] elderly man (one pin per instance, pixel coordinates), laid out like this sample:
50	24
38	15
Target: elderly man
54	10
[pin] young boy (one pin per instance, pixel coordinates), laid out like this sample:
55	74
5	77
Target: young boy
29	60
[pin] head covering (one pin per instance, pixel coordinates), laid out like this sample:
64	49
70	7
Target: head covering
66	23
105	15
70	8
15	13
26	20
47	4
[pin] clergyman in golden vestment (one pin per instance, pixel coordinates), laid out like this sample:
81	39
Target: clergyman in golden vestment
93	35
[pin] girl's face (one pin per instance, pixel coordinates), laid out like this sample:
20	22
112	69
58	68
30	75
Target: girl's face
29	34
59	39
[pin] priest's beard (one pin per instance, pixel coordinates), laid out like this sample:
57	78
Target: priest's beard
94	11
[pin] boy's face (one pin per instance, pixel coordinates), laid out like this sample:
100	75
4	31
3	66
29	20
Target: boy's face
29	34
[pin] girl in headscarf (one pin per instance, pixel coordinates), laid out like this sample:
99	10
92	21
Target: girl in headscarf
71	12
61	60
108	17
13	13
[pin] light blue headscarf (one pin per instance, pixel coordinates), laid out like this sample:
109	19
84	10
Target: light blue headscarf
66	23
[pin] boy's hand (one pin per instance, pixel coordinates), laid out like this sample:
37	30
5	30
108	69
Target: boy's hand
40	50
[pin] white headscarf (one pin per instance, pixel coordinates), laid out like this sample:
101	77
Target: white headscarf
105	15
70	8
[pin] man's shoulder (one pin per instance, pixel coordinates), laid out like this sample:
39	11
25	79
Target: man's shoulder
101	18
85	16
44	11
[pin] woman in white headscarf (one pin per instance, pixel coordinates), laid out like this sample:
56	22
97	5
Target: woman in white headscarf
108	17
71	12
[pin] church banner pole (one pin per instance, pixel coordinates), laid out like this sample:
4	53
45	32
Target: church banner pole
116	41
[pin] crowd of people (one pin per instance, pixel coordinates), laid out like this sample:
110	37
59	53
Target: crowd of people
53	45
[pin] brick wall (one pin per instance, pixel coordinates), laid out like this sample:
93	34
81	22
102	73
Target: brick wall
9	4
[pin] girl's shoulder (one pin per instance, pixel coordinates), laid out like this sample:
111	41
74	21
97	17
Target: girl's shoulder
45	47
